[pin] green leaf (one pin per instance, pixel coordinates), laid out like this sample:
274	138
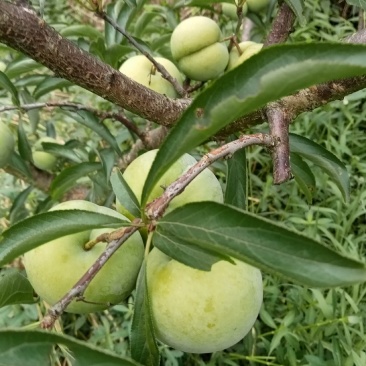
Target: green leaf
44	227
15	288
260	242
298	7
303	175
24	148
236	180
64	151
181	250
21	66
67	178
6	84
124	194
107	158
33	114
79	30
113	54
17	163
88	119
273	73
123	14
324	159
143	345
18	211
33	348
49	84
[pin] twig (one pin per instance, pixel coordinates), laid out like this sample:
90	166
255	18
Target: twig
78	289
78	107
163	71
281	26
156	208
278	125
278	118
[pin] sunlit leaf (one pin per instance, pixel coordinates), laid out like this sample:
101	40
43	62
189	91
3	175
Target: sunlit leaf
260	242
44	227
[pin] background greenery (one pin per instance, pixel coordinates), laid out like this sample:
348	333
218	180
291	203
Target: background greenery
297	325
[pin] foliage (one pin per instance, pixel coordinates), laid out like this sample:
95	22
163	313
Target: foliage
310	230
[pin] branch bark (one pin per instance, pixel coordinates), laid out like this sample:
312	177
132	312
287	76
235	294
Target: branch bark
22	30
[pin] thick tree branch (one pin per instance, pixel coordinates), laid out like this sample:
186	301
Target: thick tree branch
22	30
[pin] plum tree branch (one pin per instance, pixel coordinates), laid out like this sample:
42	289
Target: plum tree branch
23	30
156	208
278	119
79	288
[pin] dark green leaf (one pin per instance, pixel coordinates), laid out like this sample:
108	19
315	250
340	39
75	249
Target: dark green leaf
41	228
274	72
15	288
68	177
124	194
143	345
191	255
17	163
107	159
33	348
6	84
88	119
303	175
49	84
33	114
21	66
236	180
324	159
24	148
18	210
260	242
64	151
114	54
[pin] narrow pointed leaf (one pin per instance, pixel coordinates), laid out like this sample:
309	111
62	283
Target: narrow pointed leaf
273	73
42	228
24	148
236	180
143	345
14	288
303	175
124	194
191	255
6	84
260	242
324	159
89	120
67	178
49	84
34	347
